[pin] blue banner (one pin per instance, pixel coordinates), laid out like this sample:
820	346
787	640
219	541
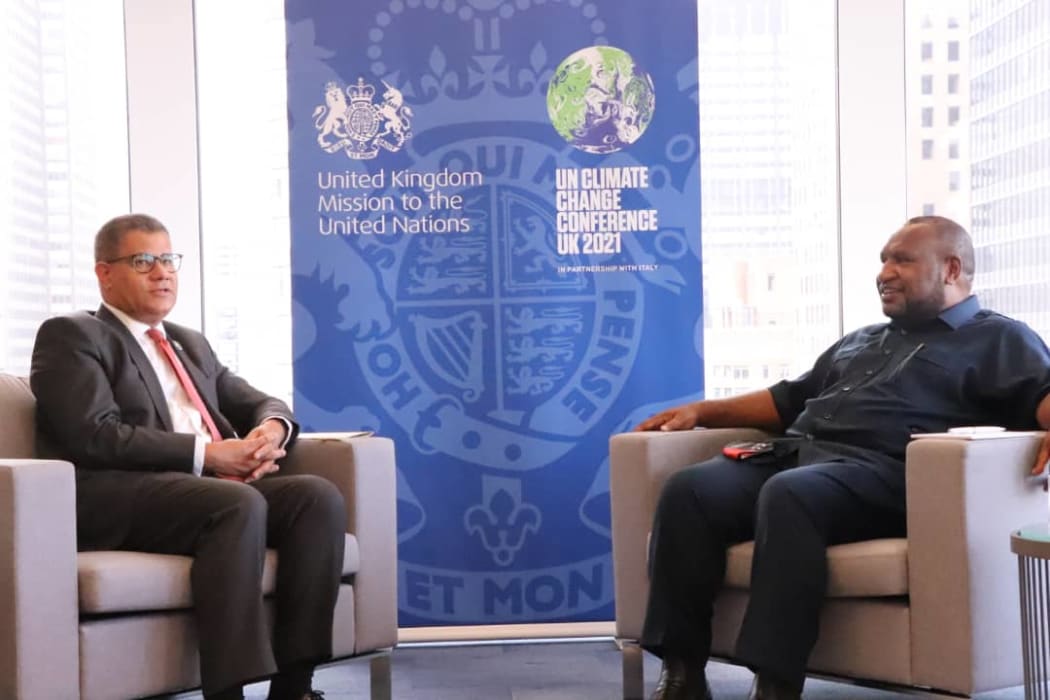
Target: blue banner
496	262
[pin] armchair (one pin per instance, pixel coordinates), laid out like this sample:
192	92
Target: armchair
937	610
117	624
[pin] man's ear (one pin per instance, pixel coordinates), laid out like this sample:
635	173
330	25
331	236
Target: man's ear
952	270
102	273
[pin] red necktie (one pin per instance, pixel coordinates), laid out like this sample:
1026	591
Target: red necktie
184	379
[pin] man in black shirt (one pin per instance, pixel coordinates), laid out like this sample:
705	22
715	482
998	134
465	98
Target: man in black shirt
837	475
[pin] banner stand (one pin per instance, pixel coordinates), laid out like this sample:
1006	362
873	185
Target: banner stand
495	256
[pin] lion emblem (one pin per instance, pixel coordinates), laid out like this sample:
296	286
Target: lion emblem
330	118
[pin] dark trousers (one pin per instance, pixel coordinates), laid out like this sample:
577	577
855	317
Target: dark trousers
226	526
793	514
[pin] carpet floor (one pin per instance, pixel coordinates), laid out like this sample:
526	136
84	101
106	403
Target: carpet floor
588	670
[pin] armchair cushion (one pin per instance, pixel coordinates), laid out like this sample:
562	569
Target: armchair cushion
874	568
118	581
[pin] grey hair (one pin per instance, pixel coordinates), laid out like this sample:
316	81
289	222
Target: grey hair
110	236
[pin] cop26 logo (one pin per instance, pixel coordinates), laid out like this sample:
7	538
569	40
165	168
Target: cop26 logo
600	100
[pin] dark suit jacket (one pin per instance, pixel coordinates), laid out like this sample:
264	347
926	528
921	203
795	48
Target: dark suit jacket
100	405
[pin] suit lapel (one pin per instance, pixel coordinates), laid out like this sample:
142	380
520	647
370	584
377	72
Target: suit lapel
142	364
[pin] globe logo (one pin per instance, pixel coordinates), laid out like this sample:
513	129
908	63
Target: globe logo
599	100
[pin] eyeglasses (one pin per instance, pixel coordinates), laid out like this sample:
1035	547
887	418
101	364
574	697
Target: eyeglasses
144	262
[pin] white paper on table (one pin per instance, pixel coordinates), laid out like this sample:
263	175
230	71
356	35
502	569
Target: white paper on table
345	435
982	432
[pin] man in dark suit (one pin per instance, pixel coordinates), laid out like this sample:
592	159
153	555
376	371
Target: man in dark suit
838	474
171	450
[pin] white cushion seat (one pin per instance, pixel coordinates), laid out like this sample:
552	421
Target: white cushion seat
120	582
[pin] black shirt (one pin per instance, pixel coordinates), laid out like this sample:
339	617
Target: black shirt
879	384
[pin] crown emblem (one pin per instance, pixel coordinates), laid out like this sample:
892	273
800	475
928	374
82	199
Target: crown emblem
361	92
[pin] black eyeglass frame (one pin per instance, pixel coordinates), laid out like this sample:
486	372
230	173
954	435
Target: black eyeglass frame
145	262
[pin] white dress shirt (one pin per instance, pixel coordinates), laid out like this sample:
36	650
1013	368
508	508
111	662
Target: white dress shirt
185	418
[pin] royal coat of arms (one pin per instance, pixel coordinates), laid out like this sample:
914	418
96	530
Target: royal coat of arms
361	127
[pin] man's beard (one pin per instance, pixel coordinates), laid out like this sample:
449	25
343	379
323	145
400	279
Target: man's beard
919	311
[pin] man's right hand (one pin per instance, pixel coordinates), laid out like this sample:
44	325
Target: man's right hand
248	459
754	409
685	417
1043	456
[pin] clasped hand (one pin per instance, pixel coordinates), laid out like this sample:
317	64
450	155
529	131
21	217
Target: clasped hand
249	458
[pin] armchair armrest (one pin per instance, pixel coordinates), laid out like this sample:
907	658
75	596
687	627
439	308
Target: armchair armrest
964	499
364	471
39	644
639	464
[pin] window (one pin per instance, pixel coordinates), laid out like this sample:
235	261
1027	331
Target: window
998	164
927	209
927	50
65	167
244	187
769	205
927	149
927	84
927	116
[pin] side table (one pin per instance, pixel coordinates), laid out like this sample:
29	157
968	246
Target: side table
1031	544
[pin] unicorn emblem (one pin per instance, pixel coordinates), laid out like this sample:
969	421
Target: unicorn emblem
396	118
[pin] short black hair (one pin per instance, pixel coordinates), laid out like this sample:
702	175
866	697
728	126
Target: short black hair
953	237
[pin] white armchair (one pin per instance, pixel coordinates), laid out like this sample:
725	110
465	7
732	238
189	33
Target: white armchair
117	624
937	610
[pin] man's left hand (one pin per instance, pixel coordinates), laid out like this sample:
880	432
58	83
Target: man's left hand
274	431
271	429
